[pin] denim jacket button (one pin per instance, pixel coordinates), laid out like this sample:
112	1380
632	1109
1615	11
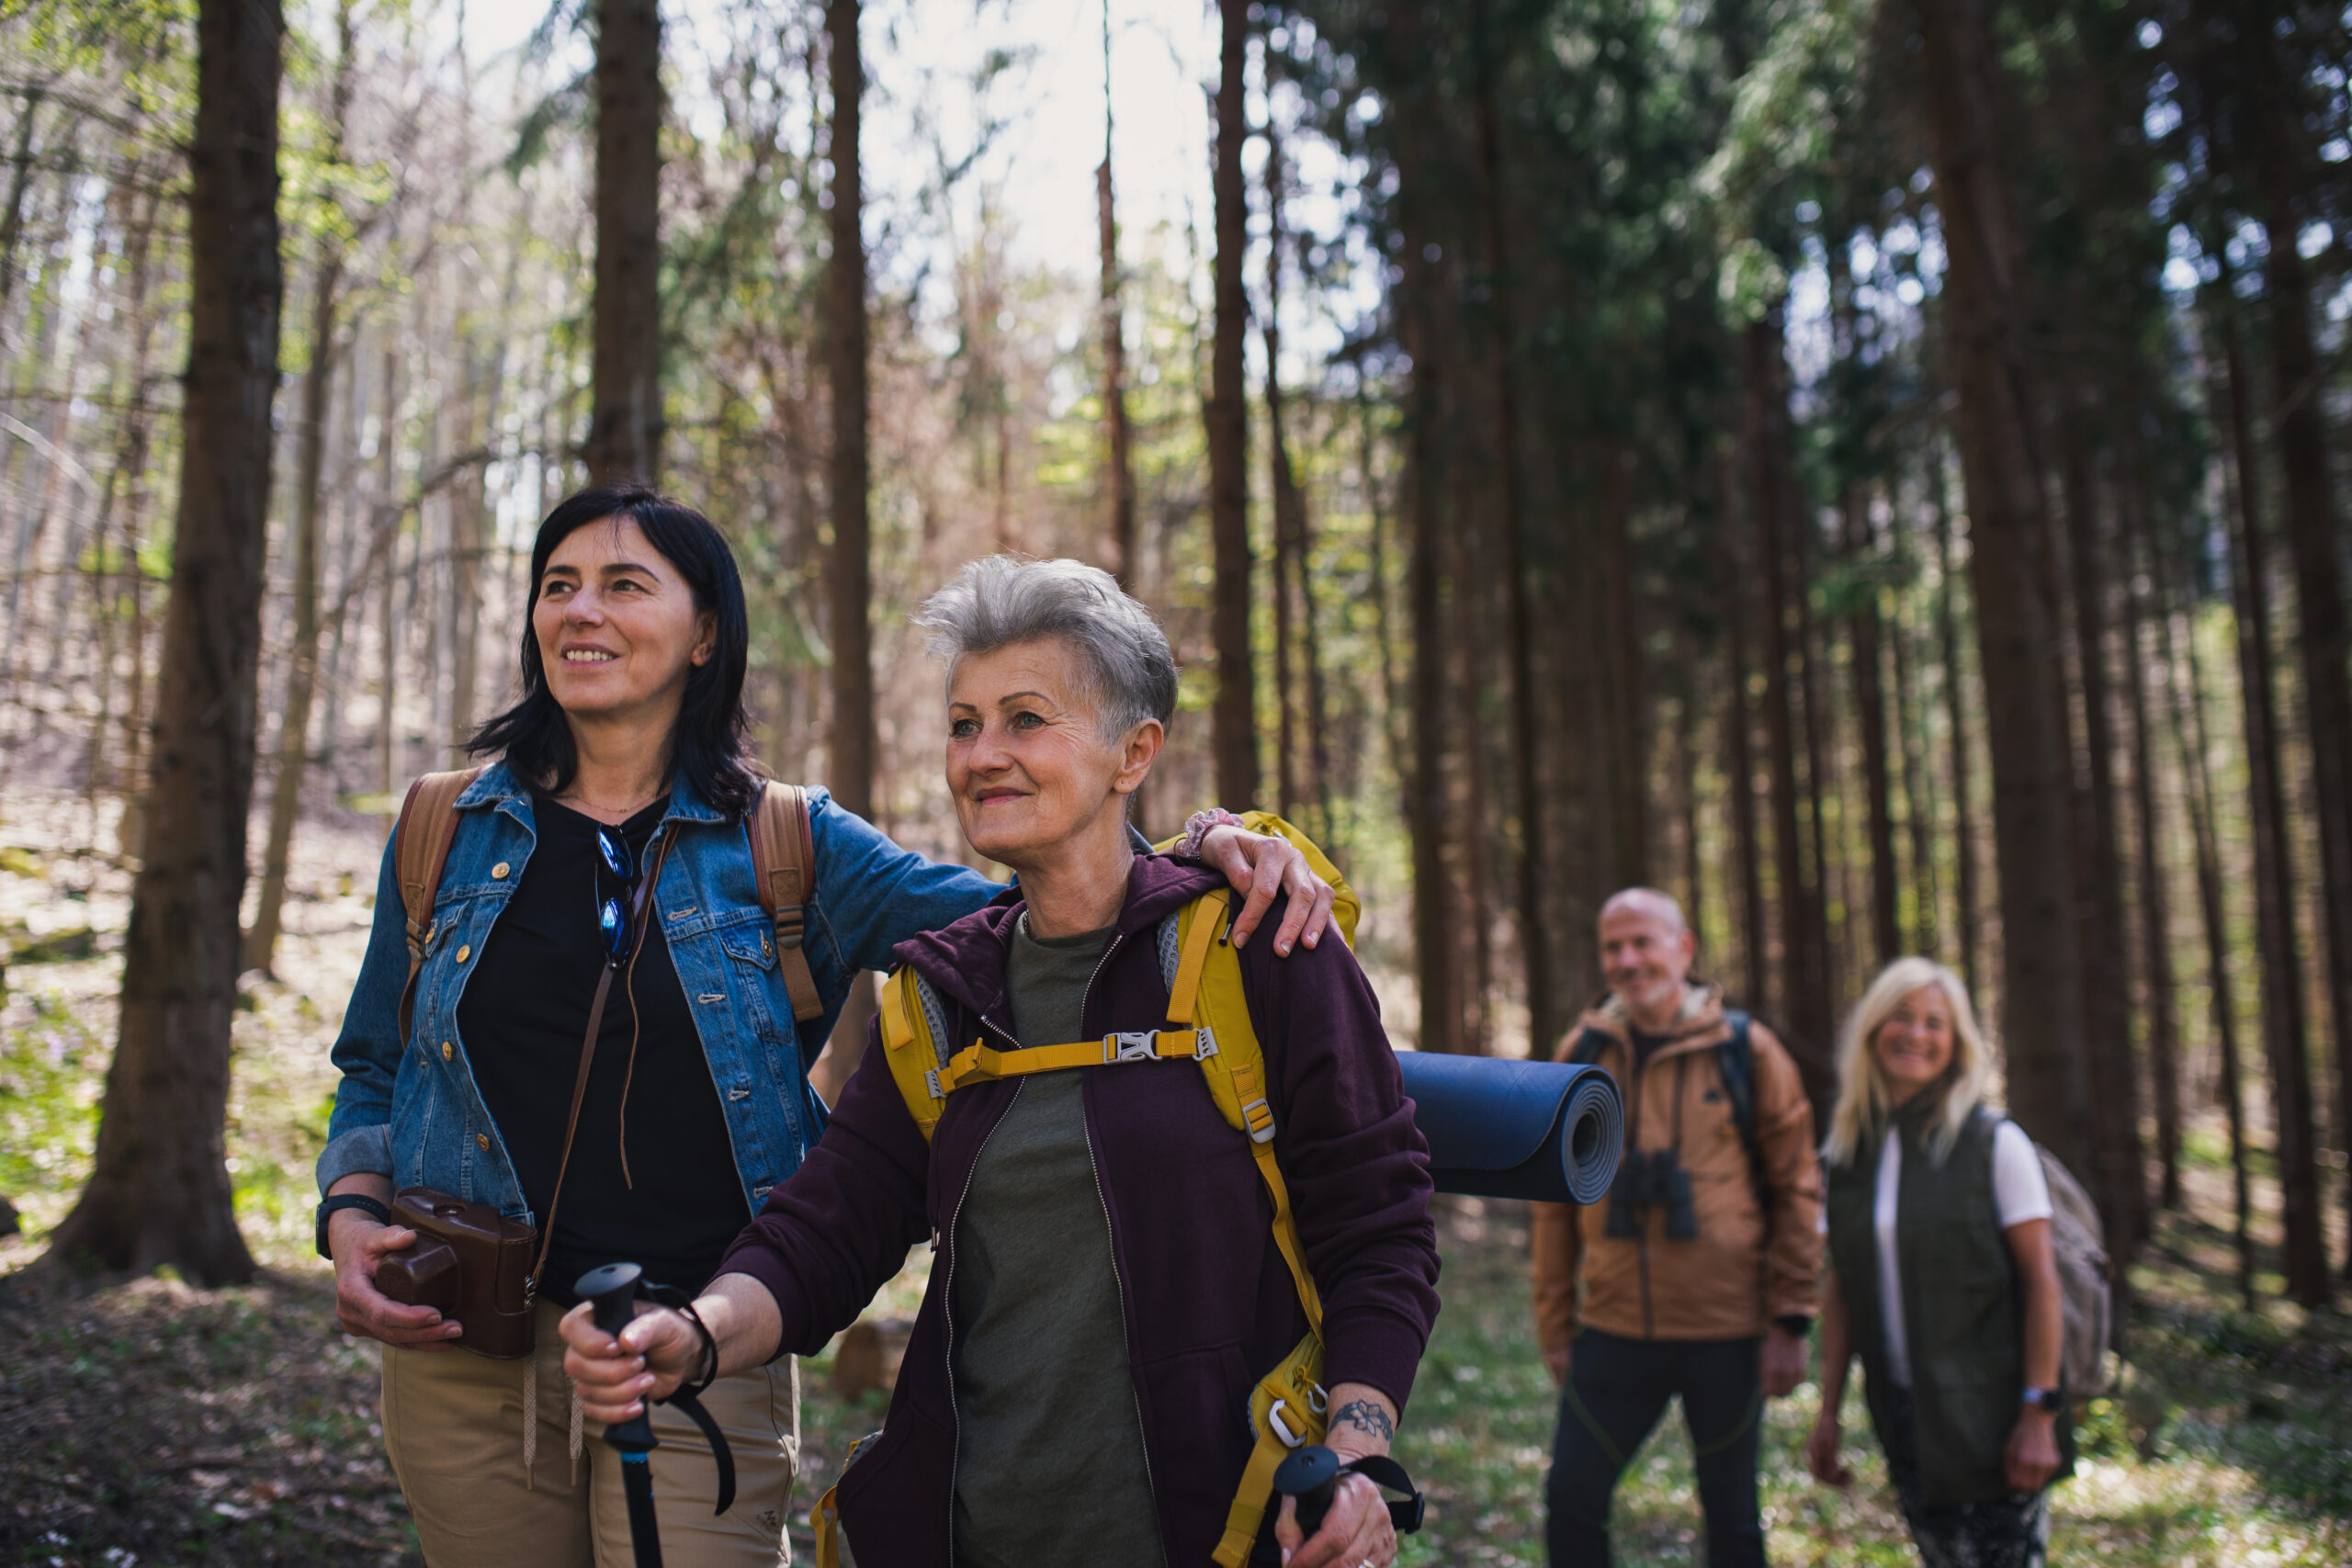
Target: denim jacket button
482	1140
464	954
498	873
445	1052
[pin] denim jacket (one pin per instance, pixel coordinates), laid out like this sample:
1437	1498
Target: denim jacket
410	1109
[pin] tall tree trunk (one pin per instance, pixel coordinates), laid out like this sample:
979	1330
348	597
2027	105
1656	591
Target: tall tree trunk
2274	882
2299	424
624	423
1233	716
2155	935
1963	805
1919	790
159	1189
1544	1020
1803	1000
850	765
2016	627
303	662
1870	696
2107	1042
1297	657
1288	557
848	573
1624	704
1435	935
2190	738
1739	752
1119	437
388	669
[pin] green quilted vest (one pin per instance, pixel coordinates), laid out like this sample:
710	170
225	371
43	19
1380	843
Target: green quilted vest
1961	1309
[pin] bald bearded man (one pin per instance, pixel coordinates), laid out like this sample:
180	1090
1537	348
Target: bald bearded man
1699	1273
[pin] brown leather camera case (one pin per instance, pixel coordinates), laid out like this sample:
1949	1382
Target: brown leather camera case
468	1260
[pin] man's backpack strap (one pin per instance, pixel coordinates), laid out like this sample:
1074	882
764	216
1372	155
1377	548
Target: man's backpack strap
1735	1059
784	864
1590	1042
421	839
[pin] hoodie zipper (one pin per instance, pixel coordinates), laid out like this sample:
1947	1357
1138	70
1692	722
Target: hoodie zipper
1118	1280
947	1298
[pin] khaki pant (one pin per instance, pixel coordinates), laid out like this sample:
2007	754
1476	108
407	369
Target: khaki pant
453	1422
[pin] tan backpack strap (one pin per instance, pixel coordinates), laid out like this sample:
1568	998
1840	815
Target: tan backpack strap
421	840
784	863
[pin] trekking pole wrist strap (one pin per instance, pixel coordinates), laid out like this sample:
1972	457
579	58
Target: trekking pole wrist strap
683	1397
1383	1471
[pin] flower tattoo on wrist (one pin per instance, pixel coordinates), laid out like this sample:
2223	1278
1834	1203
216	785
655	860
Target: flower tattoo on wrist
1366	1417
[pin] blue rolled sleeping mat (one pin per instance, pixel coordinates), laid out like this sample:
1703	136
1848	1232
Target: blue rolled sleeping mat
1499	1128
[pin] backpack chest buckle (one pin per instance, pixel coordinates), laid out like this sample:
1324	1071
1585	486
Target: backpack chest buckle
1129	1045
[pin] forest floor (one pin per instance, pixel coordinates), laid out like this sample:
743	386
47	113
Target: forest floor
150	1422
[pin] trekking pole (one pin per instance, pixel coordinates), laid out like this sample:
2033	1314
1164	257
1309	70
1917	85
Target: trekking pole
1311	1474
613	1290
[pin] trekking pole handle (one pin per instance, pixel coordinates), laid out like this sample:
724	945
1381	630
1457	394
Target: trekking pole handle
1311	1474
611	1292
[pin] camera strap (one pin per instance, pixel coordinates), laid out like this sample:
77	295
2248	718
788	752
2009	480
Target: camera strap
636	916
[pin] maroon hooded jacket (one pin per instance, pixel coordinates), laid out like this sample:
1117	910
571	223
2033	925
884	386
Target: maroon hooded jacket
1210	1307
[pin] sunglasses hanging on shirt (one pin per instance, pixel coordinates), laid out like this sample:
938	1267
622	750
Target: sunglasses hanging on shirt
613	909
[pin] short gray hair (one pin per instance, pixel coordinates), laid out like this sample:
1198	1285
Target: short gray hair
1001	600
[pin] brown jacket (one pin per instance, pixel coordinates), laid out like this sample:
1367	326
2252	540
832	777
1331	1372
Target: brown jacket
1737	1274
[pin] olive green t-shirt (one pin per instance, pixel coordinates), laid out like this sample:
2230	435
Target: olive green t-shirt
1050	1467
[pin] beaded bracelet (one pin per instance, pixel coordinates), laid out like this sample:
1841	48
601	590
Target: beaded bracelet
1198	826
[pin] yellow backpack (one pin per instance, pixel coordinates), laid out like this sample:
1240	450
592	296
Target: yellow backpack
1207	1004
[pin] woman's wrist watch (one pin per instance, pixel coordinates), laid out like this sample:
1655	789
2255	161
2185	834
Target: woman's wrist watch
2047	1400
373	1207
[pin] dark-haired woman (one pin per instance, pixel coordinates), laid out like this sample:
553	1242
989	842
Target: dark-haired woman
609	835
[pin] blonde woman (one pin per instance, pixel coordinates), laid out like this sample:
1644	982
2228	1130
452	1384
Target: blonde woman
1942	1277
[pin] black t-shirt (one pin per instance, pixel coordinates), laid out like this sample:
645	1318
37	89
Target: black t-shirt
679	1202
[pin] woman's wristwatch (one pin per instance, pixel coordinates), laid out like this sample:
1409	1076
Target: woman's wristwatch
374	1207
2048	1400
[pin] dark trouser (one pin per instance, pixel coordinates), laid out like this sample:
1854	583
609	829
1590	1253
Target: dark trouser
1998	1532
1617	1389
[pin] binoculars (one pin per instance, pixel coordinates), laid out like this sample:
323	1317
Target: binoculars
1652	1178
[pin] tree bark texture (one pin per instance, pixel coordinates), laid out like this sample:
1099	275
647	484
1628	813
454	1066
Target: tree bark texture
1233	716
849	582
1804	989
2283	1024
2316	542
159	1190
625	421
1117	435
2142	597
1963	823
1544	1020
1869	697
2041	1014
2107	1044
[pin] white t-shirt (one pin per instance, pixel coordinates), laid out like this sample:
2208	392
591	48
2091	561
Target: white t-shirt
2020	1192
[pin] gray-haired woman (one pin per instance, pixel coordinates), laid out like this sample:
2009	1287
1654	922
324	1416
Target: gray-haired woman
1111	1281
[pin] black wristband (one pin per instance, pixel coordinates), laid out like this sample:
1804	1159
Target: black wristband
1796	1325
374	1206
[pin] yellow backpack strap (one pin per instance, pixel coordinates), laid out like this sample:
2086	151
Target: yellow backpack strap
827	1523
1207	993
421	839
1287	1410
908	1045
784	866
